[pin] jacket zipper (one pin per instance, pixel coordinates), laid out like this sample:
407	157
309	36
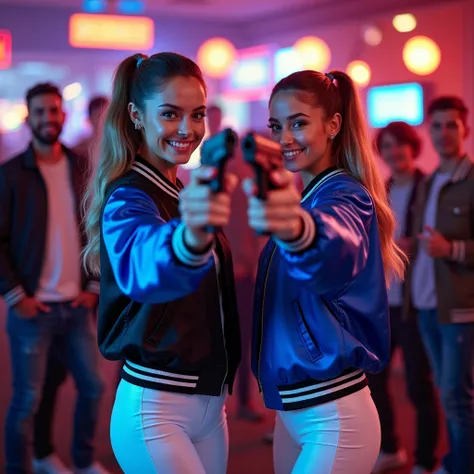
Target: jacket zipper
265	288
331	312
221	315
261	318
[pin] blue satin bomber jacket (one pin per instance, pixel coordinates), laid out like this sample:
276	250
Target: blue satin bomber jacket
321	314
170	315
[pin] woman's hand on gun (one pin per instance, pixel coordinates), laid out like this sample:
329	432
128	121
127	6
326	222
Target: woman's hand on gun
280	213
202	209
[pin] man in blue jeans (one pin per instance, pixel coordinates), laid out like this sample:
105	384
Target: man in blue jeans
50	297
442	277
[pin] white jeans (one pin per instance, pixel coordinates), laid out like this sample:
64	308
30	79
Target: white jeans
168	433
339	437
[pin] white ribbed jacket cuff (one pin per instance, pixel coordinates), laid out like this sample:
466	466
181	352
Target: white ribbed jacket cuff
183	253
306	239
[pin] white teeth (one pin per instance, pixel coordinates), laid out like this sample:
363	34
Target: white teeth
290	154
179	144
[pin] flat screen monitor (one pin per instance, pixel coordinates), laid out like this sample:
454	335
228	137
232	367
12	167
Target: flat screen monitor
396	102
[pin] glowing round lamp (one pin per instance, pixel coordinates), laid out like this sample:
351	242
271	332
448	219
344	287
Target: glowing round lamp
21	110
72	91
216	56
404	23
372	35
421	55
360	73
313	52
10	121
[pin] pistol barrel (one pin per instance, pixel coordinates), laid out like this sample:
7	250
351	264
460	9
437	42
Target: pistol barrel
259	144
219	147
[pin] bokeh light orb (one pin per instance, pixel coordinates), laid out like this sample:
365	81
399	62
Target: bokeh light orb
314	53
360	72
216	57
404	23
421	55
372	35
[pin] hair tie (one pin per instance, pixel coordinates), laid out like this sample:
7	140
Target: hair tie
330	76
140	60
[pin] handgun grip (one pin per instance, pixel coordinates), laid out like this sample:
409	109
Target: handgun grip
263	182
217	183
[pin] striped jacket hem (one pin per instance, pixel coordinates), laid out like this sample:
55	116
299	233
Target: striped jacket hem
312	392
159	379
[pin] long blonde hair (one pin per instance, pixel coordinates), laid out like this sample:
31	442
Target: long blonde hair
136	79
353	150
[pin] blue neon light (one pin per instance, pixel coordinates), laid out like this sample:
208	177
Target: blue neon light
401	102
286	62
130	7
94	6
251	73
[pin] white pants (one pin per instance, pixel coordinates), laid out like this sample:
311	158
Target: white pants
168	433
339	437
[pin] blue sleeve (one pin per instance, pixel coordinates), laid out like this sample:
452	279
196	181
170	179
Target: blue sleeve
148	256
339	245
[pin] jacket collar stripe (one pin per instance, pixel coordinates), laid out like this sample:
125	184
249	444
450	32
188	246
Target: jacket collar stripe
152	172
321	182
155	179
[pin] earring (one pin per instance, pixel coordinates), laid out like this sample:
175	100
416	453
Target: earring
331	136
138	126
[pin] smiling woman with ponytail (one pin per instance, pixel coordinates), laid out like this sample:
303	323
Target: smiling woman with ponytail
167	303
321	301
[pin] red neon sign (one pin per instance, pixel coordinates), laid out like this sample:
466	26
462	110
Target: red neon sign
5	49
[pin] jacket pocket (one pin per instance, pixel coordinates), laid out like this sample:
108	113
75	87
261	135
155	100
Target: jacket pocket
309	343
153	338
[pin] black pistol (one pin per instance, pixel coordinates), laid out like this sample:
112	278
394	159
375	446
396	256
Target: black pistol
264	155
216	152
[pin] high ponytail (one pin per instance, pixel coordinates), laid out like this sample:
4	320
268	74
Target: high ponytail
335	92
355	151
136	79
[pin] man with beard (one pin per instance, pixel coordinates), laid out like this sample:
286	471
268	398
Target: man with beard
50	297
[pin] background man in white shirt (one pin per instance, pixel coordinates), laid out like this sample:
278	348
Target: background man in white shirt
50	297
